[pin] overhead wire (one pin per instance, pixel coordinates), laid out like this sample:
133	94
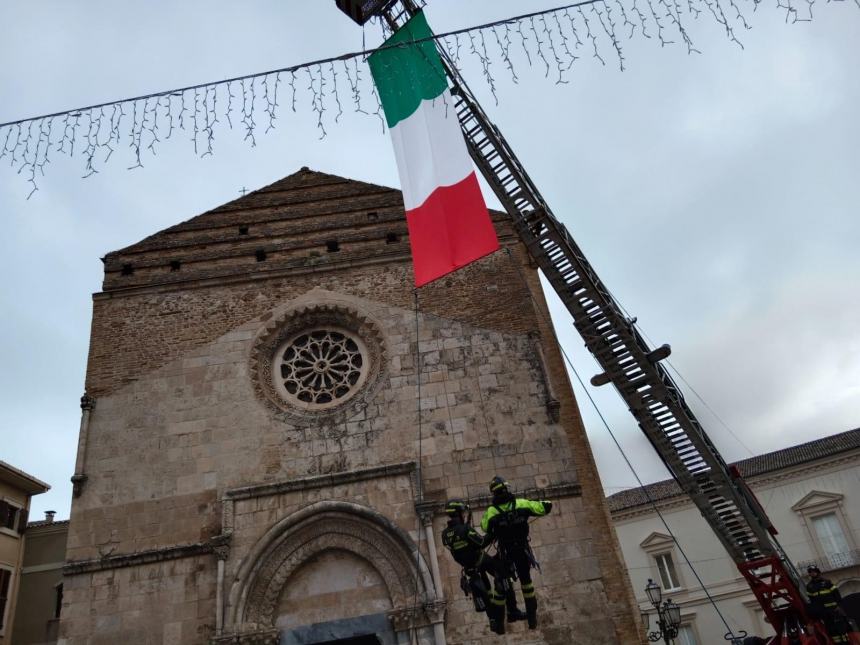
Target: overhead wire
314	63
686	382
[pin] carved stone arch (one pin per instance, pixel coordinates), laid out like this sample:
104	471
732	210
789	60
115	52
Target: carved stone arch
328	525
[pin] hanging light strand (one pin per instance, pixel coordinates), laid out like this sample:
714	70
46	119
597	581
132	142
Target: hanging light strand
552	41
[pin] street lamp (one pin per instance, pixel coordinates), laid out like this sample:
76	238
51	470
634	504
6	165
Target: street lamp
668	615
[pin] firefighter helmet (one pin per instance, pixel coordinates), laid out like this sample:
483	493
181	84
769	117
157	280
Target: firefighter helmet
455	506
498	485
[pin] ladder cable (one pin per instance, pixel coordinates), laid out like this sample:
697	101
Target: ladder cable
617	443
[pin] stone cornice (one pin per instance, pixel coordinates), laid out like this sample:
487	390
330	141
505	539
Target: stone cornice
556	491
150	556
319	481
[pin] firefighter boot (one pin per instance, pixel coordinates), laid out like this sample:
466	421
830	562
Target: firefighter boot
531	604
514	613
496	613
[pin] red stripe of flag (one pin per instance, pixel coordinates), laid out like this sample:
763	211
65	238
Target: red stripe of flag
449	230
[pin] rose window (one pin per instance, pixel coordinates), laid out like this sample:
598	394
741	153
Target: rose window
321	367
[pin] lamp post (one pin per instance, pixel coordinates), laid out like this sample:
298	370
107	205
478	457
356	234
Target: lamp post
668	615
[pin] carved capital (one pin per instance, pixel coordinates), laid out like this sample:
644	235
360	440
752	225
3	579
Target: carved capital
404	618
435	611
221	546
425	511
87	402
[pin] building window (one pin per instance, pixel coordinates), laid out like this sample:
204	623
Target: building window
58	600
666	569
5	584
321	367
827	527
830	536
10	516
686	636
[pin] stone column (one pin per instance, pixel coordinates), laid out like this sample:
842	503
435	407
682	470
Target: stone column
435	609
435	612
427	523
221	549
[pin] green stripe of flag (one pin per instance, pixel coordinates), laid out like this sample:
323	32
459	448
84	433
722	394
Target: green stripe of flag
408	74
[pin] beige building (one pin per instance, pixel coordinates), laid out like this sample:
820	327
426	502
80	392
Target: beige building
252	464
16	489
40	593
811	493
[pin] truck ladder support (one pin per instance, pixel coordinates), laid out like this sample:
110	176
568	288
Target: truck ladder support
646	387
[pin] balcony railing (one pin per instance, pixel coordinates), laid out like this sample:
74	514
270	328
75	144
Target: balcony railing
833	562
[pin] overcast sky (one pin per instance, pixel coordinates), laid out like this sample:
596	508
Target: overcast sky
716	194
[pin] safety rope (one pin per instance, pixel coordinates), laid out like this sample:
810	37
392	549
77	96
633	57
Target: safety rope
419	493
642	487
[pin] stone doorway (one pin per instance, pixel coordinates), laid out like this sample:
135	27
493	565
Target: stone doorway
355	640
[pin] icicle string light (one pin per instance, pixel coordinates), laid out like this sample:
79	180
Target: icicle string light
552	39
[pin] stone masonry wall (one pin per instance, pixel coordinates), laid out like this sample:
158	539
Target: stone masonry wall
177	423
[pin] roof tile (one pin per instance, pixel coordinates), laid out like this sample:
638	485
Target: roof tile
758	465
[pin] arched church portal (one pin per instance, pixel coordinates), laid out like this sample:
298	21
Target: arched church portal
333	572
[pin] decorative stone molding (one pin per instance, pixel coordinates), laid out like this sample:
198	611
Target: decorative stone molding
426	511
87	402
221	546
258	637
404	618
277	333
556	491
78	481
321	481
120	560
331	531
265	571
435	611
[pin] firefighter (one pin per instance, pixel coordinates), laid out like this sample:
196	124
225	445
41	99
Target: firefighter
824	604
467	548
507	522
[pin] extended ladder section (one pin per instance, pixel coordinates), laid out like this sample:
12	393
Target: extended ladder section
627	360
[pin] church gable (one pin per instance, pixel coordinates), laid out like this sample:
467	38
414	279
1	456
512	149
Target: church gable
307	219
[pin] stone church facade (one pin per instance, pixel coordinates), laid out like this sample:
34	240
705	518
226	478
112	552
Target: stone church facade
252	466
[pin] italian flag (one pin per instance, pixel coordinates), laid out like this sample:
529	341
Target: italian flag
448	222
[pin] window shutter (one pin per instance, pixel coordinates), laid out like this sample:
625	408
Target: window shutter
22	520
4	512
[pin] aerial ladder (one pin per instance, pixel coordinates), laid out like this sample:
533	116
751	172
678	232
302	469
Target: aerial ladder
628	362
